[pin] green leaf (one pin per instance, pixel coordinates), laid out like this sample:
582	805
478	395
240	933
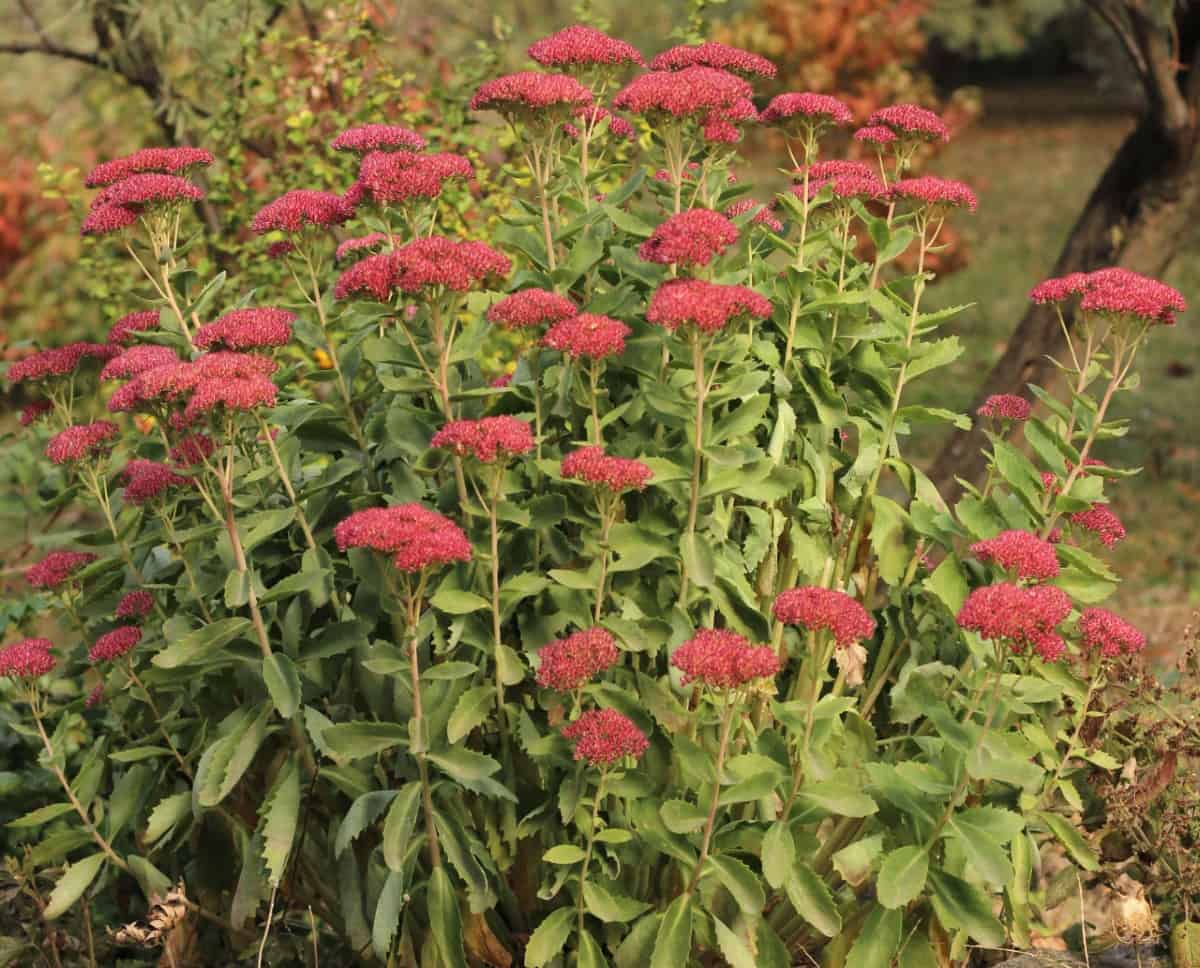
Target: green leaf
855	862
778	854
930	356
139	753
387	913
741	421
628	223
948	584
448	670
200	643
741	882
445	920
985	854
681	817
877	941
151	880
812	900
549	937
168	812
608	906
963	906
279	820
464	765
363	812
673	943
35	818
283	683
455	601
839	799
735	950
351	741
398	828
563	854
1077	847
698	559
470	711
902	876
70	887
309	580
224	763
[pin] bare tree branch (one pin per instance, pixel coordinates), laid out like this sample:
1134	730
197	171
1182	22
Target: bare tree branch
51	49
1120	27
1162	68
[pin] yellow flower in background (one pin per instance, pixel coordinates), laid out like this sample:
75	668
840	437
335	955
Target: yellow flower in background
323	360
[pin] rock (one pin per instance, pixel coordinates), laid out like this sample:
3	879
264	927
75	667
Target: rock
1118	956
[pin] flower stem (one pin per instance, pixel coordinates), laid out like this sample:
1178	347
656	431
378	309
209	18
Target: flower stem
591	840
413	599
158	719
710	822
607	516
177	547
697	456
594	382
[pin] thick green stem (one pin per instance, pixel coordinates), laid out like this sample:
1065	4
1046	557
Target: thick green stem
711	821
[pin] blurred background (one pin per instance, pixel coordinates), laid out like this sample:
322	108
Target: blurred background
1074	120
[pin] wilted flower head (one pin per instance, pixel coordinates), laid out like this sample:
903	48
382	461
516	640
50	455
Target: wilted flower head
762	213
488	440
1020	552
169	161
531	94
414	535
378	137
57	568
706	305
593	466
875	134
27	659
58	362
1102	522
146	480
394	177
815	608
722	659
593	117
112	645
1101	630
715	55
936	192
244	394
605	736
1006	406
33	412
246	329
806	108
81	441
570	663
137	360
361	243
123	329
302	208
529	308
697	93
579	46
135	604
912	122
1022	615
589	335
691	238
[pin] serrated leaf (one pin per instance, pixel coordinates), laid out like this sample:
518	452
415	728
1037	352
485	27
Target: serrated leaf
741	882
470	711
201	643
811	898
673	942
166	814
609	906
70	887
399	825
283	683
35	818
877	941
1069	837
698	558
902	876
445	919
351	741
455	601
778	854
279	819
681	817
590	954
363	812
963	906
549	937
387	913
735	950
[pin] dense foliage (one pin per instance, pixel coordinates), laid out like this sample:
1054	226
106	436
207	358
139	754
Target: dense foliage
658	651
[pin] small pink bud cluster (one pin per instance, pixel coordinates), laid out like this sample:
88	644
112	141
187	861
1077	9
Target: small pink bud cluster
762	213
362	243
1024	554
580	46
122	203
1022	615
1006	406
529	308
33	412
57	362
1115	291
1102	522
531	93
378	137
721	659
146	480
714	55
935	192
395	177
706	305
588	335
806	107
81	442
876	134
112	645
911	122
605	736
121	332
167	161
570	663
27	659
300	209
415	536
691	238
593	466
136	604
488	440
593	116
815	608
57	568
247	329
1101	630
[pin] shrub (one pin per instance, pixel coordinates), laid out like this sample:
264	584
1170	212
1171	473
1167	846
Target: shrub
659	652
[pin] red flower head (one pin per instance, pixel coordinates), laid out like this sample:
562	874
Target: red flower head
378	137
243	394
762	213
433	262
936	192
488	440
588	335
374	276
715	55
95	697
57	568
135	604
529	95
1022	615
223	365
33	412
394	177
816	608
1006	406
137	360
722	659
1111	635
61	361
26	659
824	171
192	450
503	380
106	219
302	208
807	109
529	308
112	645
1100	520
415	536
605	736
81	441
570	663
280	250
119	205
875	134
691	238
592	466
911	122
373	240
146	480
593	116
581	47
247	329
1124	293
1057	290
696	93
167	161
1025	555
707	306
138	322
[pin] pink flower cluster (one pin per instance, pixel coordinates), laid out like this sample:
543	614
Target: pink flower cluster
146	480
1102	522
81	441
1022	615
33	412
192	450
604	736
135	604
593	466
844	186
423	263
714	55
911	121
691	238
529	308
112	645
58	362
762	213
168	161
172	380
57	568
589	335
1116	291
1006	406
570	663
875	134
1024	554
26	659
530	91
592	117
488	440
721	659
807	107
121	332
378	137
394	177
247	329
582	46
706	305
137	360
698	93
415	536
121	204
244	394
936	192
815	608
302	208
1101	630
372	240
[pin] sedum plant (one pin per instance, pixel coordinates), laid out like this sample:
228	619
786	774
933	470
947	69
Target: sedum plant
659	651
